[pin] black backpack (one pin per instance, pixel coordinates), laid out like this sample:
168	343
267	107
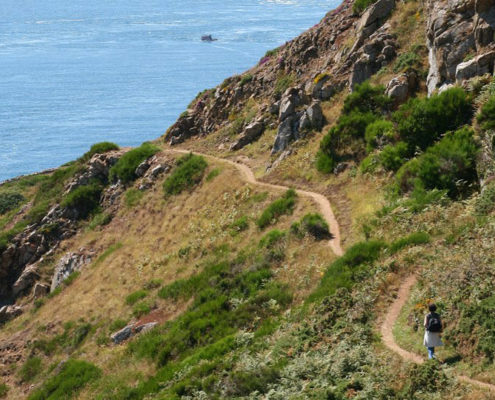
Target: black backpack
434	324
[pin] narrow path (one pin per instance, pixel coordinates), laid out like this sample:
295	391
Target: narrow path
322	201
388	336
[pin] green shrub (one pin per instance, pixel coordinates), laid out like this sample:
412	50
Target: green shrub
80	333
421	122
239	225
413	239
135	297
246	79
369	164
132	197
272	238
4	389
392	157
100	219
9	201
84	199
367	98
279	207
141	309
347	270
73	376
256	381
449	164
212	174
486	117
99	148
407	61
378	134
125	168
316	226
360	5
187	174
283	82
425	378
117	325
30	369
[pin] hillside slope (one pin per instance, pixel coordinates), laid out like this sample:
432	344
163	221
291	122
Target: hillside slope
159	274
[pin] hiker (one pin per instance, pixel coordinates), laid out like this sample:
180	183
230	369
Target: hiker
433	326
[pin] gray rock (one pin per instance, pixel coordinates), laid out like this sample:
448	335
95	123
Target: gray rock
123	334
145	327
372	19
398	88
27	279
252	132
315	115
479	65
287	132
142	168
9	312
40	290
287	107
274	108
69	263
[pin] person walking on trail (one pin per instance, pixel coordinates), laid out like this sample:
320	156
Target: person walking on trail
433	328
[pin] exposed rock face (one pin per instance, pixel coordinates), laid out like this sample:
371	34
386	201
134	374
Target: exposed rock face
9	312
457	29
373	18
40	290
401	87
68	264
130	331
372	56
98	167
27	279
252	132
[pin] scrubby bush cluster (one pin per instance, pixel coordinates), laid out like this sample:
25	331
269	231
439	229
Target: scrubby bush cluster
9	201
99	148
314	224
125	168
84	199
283	206
188	173
73	376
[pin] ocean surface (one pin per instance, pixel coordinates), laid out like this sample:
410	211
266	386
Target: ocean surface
80	72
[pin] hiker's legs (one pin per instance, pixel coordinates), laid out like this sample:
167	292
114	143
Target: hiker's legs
431	352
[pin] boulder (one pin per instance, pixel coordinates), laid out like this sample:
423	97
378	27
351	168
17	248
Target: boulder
315	115
142	168
145	327
372	19
40	290
401	87
479	65
9	312
287	132
252	132
287	107
123	334
69	263
27	279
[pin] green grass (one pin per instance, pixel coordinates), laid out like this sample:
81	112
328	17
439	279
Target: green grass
283	206
125	168
416	238
30	369
132	197
213	174
360	5
10	201
187	174
246	79
84	199
239	225
4	389
74	375
108	252
100	219
141	308
135	297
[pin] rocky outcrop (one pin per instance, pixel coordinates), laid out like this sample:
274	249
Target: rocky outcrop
372	19
130	331
401	87
27	279
372	56
98	168
69	263
457	29
251	133
9	312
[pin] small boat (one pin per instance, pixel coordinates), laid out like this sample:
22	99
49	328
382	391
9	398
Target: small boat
207	38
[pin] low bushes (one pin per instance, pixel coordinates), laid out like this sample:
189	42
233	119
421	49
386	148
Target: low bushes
360	5
413	239
74	375
30	369
449	165
125	168
84	199
421	122
314	224
99	148
4	389
9	201
132	197
279	207
188	173
135	297
392	157
378	134
346	270
486	117
239	225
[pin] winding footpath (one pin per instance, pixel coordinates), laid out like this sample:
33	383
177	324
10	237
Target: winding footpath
388	336
394	310
322	201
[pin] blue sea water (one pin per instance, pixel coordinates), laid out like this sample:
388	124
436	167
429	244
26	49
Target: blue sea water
79	72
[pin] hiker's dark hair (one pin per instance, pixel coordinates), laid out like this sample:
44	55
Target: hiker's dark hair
432	307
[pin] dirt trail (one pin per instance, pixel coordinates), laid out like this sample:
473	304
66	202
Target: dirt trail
388	336
322	201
